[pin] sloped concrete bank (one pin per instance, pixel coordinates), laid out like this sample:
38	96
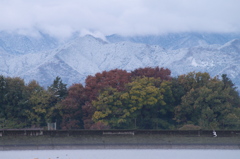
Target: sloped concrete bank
117	139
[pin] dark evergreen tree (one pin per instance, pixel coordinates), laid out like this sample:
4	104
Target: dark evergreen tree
58	92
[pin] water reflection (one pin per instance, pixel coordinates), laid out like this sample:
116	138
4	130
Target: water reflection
121	154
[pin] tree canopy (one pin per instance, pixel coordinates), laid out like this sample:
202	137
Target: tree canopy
145	98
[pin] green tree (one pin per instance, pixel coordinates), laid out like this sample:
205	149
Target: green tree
141	102
58	89
39	103
12	102
207	104
30	90
166	114
228	84
58	92
109	109
3	89
196	108
193	80
144	101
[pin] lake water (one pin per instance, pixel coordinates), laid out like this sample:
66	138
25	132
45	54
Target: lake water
121	154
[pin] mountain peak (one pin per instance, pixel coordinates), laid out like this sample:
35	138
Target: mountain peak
79	57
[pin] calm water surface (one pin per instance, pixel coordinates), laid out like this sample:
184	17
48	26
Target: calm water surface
121	154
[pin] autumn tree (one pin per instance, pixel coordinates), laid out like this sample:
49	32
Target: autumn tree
146	99
162	73
94	84
109	108
71	108
137	106
113	78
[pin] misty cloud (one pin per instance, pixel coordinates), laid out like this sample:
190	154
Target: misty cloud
128	17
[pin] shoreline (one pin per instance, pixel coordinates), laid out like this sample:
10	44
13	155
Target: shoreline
118	139
121	146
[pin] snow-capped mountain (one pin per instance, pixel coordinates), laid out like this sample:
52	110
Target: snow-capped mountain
16	43
74	60
178	40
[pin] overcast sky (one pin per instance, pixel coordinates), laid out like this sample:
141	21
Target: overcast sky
126	17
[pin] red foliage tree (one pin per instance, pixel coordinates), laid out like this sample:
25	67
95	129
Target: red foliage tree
99	126
72	108
164	74
78	103
115	78
88	111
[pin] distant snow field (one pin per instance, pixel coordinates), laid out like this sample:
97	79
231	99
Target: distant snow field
121	154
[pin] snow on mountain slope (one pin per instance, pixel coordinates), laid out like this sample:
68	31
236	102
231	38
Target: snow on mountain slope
232	46
178	40
212	59
95	55
89	55
83	56
4	58
48	71
16	43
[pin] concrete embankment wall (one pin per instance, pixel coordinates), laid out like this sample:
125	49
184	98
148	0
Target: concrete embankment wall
100	139
222	133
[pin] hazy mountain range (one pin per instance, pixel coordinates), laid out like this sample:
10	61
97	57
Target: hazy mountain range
43	57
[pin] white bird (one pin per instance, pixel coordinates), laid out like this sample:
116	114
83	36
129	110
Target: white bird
214	133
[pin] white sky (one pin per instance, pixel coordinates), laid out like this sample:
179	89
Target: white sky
127	17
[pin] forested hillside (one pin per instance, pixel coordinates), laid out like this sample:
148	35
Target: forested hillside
145	98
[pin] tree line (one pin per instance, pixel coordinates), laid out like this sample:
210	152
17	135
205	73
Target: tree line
145	98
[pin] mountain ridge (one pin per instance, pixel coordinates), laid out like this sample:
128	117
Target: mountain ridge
79	57
173	40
